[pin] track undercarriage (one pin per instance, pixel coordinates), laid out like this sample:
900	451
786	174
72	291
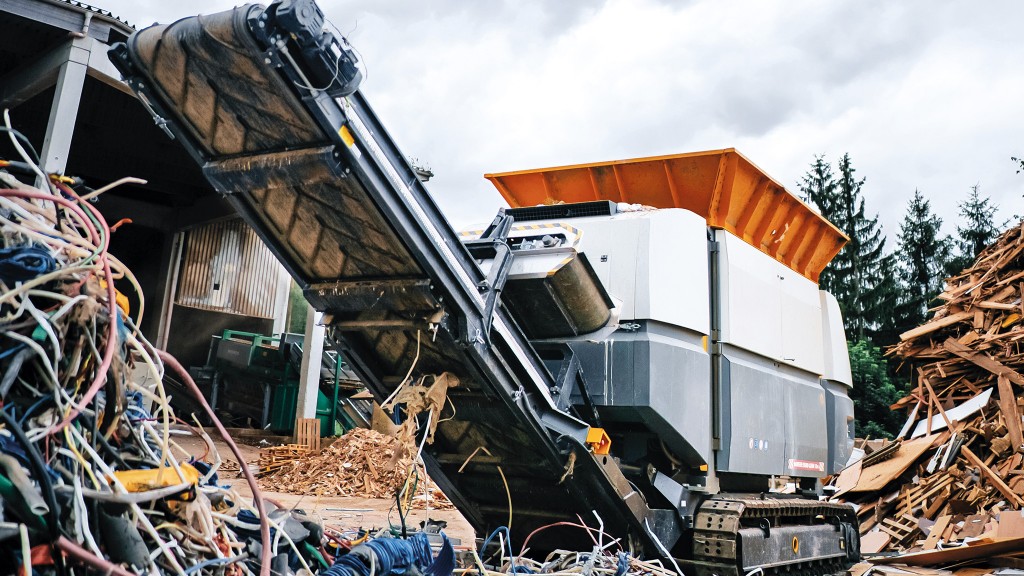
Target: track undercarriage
735	534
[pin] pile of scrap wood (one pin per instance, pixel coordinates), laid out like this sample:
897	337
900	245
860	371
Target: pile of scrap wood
362	463
273	458
951	487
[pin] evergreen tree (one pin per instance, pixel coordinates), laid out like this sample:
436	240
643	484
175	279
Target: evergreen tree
978	231
873	392
861	276
922	258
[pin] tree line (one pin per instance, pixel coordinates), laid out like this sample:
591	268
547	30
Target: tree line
883	293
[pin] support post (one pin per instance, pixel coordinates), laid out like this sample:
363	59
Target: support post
281	300
64	110
309	375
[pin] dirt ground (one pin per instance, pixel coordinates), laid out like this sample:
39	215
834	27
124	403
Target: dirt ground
340	512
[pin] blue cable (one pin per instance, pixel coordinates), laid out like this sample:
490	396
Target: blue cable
20	263
32	409
12	350
508	541
623	565
396	556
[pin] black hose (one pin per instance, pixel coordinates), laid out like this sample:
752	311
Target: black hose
398	501
39	469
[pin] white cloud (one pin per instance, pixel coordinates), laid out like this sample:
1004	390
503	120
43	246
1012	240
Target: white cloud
922	95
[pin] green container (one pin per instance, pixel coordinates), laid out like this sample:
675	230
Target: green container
284	402
282	407
323	413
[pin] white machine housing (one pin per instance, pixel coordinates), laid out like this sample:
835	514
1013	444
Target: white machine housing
722	356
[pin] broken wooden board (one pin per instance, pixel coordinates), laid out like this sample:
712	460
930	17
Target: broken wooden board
847	479
936	532
972	551
874	542
1011	414
958	414
877	476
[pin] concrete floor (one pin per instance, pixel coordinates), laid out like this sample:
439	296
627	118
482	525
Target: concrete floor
339	512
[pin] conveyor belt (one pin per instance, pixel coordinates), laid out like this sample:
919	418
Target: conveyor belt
320	180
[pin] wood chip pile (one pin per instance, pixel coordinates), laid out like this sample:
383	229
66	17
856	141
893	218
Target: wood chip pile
952	487
362	463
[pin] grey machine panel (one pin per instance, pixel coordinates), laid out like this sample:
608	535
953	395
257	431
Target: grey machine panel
656	375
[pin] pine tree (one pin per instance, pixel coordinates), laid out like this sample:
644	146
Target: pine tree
978	231
861	276
922	257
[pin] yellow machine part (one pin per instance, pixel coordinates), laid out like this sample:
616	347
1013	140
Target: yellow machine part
599	441
723	186
144	480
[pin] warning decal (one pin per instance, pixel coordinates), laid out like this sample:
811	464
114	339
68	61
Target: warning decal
806	465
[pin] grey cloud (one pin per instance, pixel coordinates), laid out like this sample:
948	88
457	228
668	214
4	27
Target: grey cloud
922	94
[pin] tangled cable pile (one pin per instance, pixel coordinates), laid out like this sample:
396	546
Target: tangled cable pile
88	472
606	558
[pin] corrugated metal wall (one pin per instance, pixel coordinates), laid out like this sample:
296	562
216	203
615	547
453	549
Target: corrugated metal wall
225	267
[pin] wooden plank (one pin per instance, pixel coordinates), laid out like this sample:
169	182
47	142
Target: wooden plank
877	476
935	399
1011	415
874	542
989	305
936	325
981	549
992	477
983	361
936	532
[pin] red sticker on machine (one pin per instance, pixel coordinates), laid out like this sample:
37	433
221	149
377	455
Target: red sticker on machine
808	465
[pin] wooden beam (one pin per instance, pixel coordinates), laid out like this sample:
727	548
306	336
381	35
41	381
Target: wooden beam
983	360
936	325
1011	415
992	477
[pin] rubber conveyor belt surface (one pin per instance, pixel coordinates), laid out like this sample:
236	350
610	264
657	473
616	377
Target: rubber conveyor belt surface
326	188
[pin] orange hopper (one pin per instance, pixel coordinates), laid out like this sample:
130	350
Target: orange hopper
723	186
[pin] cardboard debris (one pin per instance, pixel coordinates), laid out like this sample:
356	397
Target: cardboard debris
953	491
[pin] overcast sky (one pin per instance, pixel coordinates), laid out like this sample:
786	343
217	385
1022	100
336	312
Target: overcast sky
921	94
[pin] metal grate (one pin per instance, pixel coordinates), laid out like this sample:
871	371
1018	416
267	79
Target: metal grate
555	211
225	267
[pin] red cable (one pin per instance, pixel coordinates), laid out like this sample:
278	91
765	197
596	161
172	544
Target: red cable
93	233
173	363
108	353
83	556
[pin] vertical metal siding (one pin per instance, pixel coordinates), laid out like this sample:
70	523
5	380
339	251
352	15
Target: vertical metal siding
225	267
